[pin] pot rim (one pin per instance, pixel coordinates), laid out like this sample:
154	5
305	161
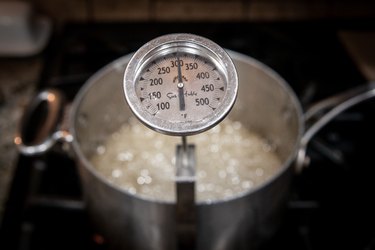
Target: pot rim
235	56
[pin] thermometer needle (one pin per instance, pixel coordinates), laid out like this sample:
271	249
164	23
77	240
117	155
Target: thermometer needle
180	86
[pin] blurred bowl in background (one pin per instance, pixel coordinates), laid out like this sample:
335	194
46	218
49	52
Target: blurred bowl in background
22	32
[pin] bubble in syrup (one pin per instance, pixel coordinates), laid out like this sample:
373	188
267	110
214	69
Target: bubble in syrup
214	148
141	180
100	149
247	184
259	172
237	125
235	180
116	173
125	156
148	179
132	190
222	174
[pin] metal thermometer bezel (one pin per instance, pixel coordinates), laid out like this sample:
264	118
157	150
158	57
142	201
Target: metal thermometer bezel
191	44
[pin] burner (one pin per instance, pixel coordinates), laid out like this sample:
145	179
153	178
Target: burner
331	204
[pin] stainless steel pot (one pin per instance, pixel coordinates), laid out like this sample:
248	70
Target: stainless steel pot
265	104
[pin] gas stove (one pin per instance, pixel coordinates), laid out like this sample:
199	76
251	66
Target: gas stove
331	205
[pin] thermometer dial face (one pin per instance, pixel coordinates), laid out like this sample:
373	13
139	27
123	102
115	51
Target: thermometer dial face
180	84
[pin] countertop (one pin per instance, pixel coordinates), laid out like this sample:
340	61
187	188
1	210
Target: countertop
18	78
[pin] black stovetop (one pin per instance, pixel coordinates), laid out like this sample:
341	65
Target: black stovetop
331	205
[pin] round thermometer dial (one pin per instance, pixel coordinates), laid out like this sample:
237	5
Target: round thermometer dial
180	84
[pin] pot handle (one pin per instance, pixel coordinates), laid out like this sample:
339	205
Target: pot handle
42	119
327	110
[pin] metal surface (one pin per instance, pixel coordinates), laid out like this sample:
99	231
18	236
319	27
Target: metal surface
186	214
164	79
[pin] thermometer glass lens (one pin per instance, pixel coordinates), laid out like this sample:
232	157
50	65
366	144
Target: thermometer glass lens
180	87
180	84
